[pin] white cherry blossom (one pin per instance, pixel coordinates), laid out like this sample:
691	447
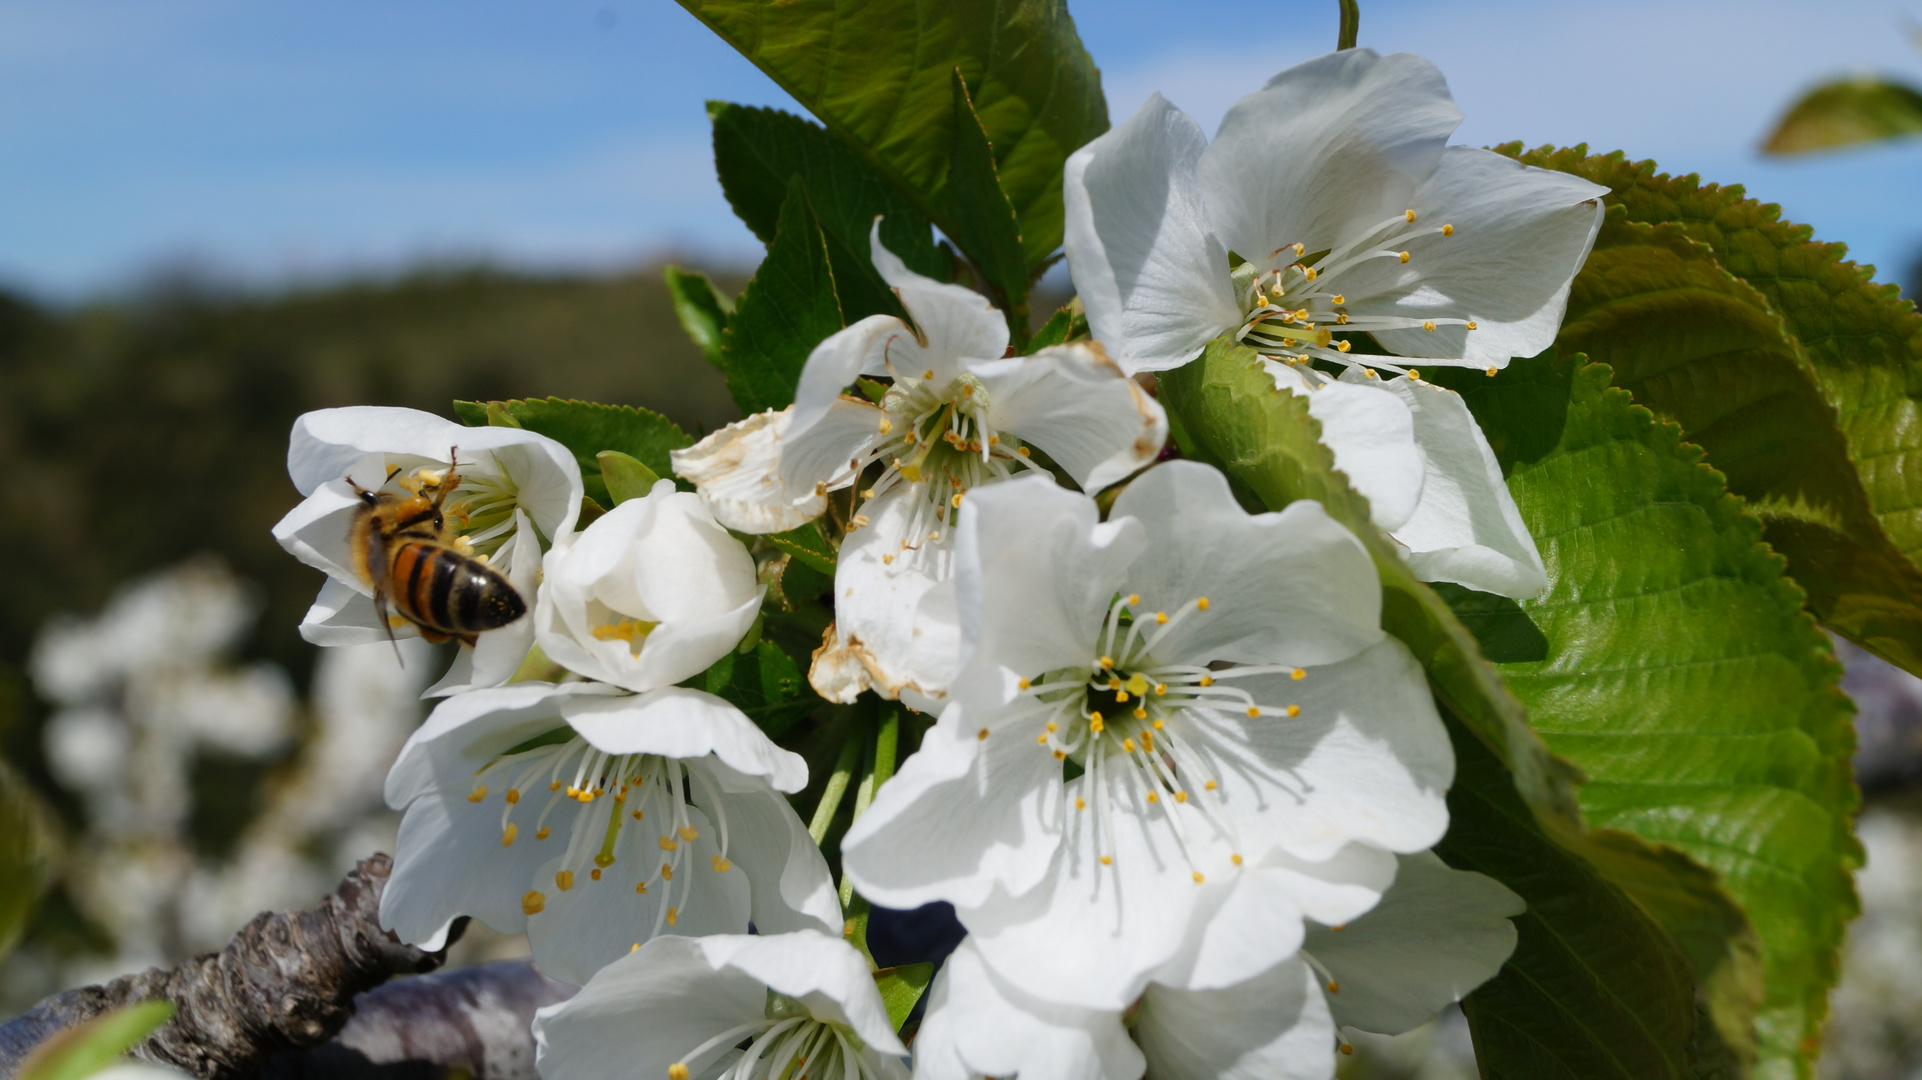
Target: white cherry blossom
725	1008
651	593
1183	721
1436	935
594	819
959	413
516	491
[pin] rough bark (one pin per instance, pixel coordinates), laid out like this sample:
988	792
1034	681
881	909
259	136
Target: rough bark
285	982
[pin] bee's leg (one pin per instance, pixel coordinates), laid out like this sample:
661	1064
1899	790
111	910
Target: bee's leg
448	481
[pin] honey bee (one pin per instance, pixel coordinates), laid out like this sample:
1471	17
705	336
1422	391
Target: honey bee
402	549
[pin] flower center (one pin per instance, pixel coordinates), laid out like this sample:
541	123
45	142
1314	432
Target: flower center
642	791
1145	734
479	511
788	1044
1293	304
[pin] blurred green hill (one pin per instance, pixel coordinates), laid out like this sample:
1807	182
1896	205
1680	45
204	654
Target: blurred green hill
134	434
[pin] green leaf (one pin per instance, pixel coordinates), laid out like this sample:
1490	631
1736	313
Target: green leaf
702	309
26	854
790	307
808	546
765	683
878	76
901	987
758	151
1846	112
626	478
85	1049
1864	345
1269	445
980	210
1680	672
1064	325
586	429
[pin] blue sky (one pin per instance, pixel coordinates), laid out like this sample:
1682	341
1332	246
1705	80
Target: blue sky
287	140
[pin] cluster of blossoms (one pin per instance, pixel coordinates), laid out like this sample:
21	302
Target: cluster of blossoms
1178	785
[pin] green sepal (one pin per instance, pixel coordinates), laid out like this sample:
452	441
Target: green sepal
878	76
90	1047
807	545
757	152
554	737
1065	325
702	309
901	987
1846	112
790	307
626	476
979	209
586	429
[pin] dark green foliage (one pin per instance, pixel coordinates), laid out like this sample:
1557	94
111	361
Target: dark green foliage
587	429
790	307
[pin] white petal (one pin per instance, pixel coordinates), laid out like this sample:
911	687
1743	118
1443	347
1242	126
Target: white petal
1519	236
822	457
1293	587
594	923
963	818
1274	1027
677	722
883	614
837	673
644	1013
342	615
861	349
788	878
1325	150
954	322
822	972
1466	529
737	470
1073	403
1367	758
1152	276
979	1024
315	530
1035	571
1371	432
449	861
1437	935
465	732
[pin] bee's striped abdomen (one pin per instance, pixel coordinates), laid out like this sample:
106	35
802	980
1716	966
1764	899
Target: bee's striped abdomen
442	590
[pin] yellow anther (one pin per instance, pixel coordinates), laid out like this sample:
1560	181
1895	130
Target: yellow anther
1209	786
1308	272
1095	723
1471	324
1160	617
1428	324
1370	373
513	795
956	501
1060	755
1207	680
688	833
542	834
564	880
1107	662
1334	986
1120	695
722	865
1107	859
1161	688
641	889
1410	215
1153	798
1338	928
820	488
1181	796
554	786
636	948
1294	710
1299	249
1022	450
887	560
982	735
508	834
1347	1048
1025	684
1080	803
677	1071
1448	230
1134	598
668	844
1298	674
928	374
673	916
477	794
595	873
1141	713
1158	723
1254	710
637	815
1339	299
533	902
1236	859
1414	374
667	872
1128	745
886	426
1491	372
860	522
1042	738
1341	319
1403	256
1302	315
1201	603
1260	300
994	440
631	631
1114	684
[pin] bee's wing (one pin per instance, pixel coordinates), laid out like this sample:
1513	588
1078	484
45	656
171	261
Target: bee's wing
377	565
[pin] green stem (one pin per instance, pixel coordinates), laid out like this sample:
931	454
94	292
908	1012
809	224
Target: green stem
1350	25
837	788
887	739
